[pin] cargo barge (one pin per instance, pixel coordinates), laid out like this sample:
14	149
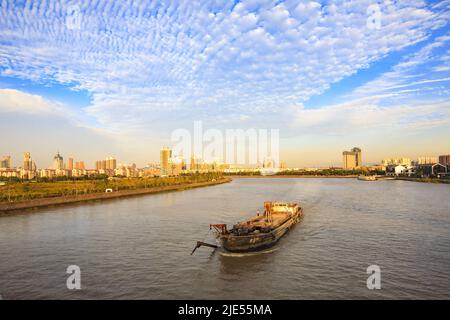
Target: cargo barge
367	178
259	232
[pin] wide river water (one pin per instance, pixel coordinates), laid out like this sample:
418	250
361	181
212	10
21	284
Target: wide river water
139	247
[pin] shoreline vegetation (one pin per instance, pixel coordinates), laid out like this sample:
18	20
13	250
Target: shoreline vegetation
287	176
30	195
338	173
325	173
412	179
424	180
16	196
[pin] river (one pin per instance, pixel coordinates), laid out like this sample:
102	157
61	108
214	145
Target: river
139	247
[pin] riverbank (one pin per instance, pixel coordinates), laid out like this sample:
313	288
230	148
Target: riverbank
424	180
294	176
9	207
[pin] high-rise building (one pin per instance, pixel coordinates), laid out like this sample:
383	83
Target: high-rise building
352	159
444	160
396	161
427	160
165	155
111	163
70	164
6	162
175	166
27	161
193	164
79	165
58	162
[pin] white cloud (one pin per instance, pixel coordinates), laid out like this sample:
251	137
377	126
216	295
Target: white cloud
17	101
366	115
151	66
410	96
22	104
206	58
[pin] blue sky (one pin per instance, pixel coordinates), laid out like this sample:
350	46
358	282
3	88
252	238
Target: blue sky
101	78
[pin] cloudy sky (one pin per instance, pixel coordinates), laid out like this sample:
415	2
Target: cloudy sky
98	78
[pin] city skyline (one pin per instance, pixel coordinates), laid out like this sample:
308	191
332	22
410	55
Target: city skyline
326	74
352	159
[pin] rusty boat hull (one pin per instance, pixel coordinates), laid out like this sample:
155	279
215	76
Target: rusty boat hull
256	240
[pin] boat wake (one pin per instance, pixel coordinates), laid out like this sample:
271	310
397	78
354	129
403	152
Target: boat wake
247	254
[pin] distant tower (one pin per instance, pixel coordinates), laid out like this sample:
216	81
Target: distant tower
165	155
352	159
58	162
358	158
111	163
70	164
27	161
6	162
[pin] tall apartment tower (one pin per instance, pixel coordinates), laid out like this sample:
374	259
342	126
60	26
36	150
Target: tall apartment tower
165	155
70	164
6	162
111	163
27	161
58	162
427	160
444	159
352	159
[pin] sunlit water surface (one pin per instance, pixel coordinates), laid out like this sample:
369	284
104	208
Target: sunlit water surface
139	247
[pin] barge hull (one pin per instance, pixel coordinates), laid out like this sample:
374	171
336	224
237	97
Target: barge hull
258	242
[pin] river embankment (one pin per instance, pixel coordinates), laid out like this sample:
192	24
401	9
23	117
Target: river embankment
293	176
9	207
424	180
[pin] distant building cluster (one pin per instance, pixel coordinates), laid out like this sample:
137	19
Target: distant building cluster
427	160
58	168
172	165
424	166
396	161
169	165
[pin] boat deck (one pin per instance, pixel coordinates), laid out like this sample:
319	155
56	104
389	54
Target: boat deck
278	215
262	222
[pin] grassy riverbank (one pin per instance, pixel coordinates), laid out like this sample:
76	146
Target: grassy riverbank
287	176
302	173
38	194
424	180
